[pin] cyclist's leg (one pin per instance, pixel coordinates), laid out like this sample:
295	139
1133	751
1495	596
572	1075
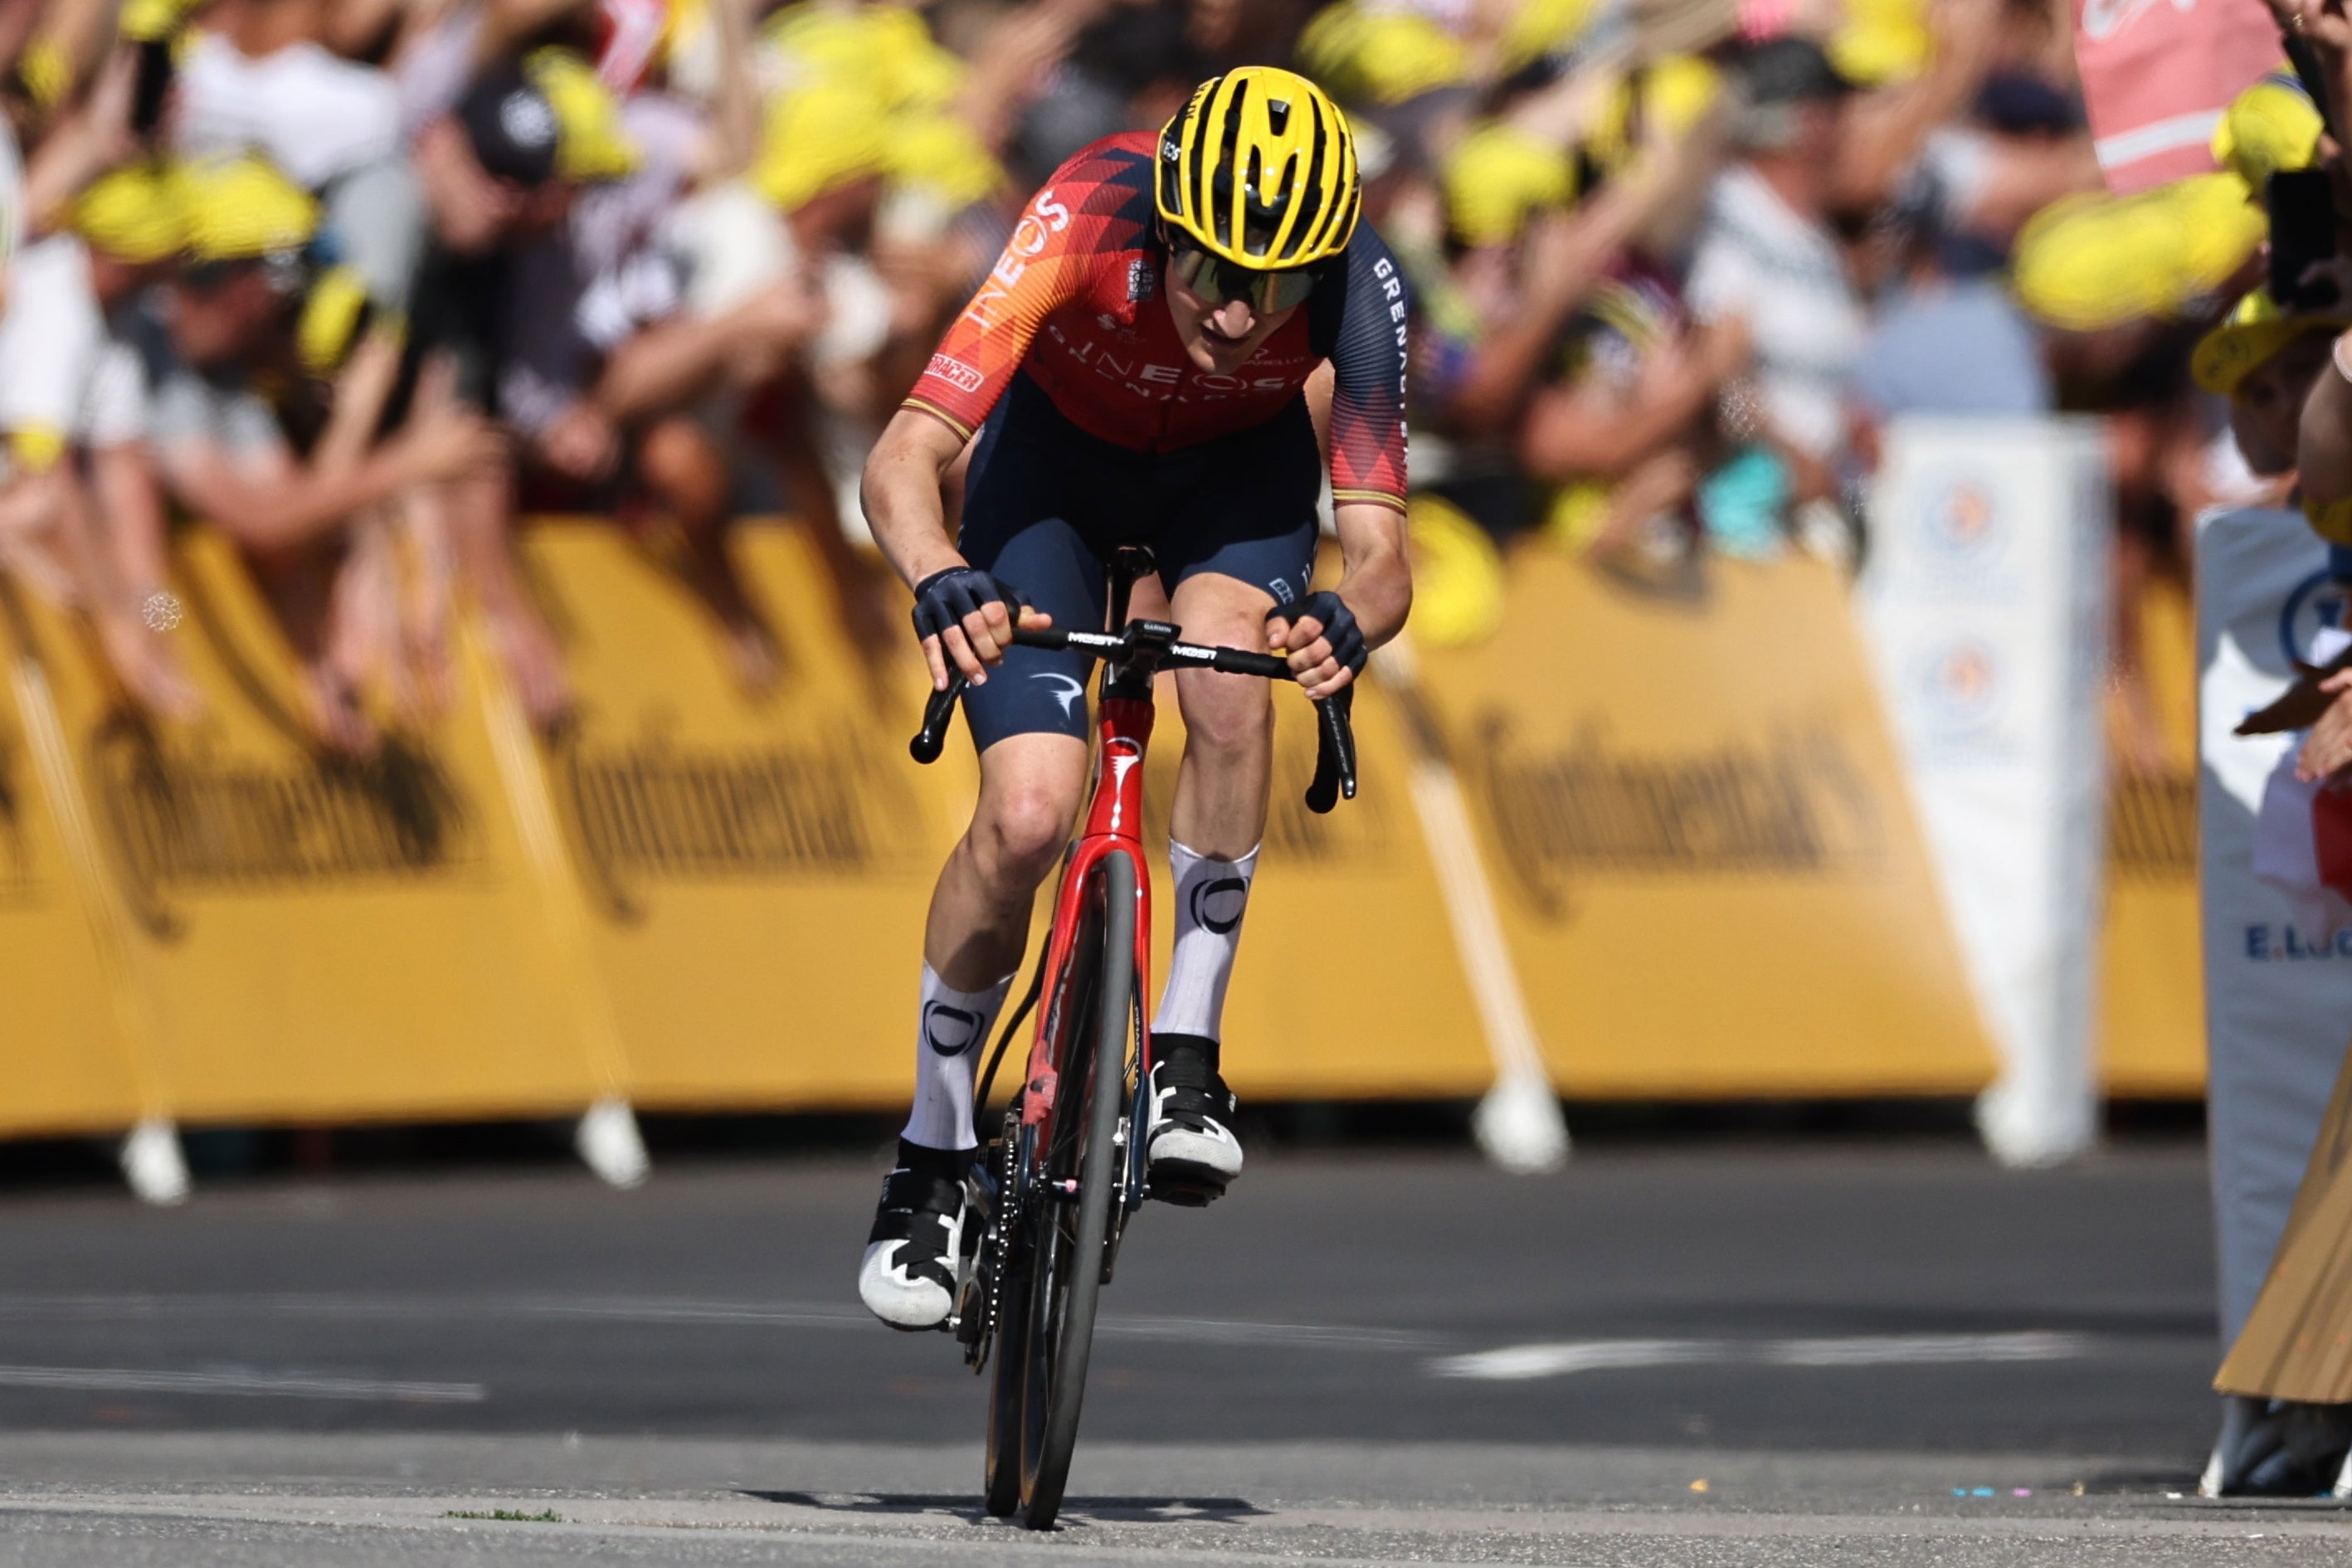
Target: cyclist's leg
1247	544
1029	721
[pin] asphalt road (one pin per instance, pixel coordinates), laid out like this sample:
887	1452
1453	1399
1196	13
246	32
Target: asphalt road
1371	1358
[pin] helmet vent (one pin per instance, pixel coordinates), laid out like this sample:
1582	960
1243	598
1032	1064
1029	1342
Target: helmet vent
1277	114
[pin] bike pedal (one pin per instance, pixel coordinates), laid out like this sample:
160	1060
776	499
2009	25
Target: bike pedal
1184	1185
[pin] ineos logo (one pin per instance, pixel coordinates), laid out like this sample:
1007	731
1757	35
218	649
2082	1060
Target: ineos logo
1218	905
949	1031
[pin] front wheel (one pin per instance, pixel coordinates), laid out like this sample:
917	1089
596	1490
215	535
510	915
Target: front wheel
1071	1230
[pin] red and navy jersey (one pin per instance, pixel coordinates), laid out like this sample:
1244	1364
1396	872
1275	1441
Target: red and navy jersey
1075	302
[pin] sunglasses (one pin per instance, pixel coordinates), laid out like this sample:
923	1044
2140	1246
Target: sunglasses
210	276
1220	282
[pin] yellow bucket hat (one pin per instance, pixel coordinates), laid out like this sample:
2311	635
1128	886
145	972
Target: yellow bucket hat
2093	261
591	142
137	212
2256	329
1498	174
1675	91
239	209
888	50
1379	56
1541	27
1881	41
817	140
2269	126
940	155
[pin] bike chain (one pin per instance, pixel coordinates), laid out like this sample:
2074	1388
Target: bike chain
996	1244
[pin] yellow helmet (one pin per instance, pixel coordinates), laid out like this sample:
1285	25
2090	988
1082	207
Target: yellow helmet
1260	169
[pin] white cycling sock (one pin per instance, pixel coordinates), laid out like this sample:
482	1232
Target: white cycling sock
1211	898
948	1040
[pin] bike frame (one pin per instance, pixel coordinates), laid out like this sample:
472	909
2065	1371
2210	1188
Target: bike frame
1114	827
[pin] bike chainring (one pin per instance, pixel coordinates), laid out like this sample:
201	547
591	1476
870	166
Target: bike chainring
981	1301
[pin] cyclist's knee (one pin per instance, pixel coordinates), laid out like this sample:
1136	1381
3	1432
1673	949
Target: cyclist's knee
1020	828
1225	713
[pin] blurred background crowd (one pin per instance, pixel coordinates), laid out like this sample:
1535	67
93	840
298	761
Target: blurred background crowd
364	282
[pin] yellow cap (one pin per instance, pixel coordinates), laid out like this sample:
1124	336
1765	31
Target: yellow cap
817	140
1457	575
2269	126
2093	261
151	21
2256	329
1380	56
46	70
34	448
1541	28
241	208
1881	41
942	155
888	50
1496	176
137	212
591	142
1675	92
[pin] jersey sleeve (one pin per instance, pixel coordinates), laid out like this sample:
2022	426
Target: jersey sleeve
1368	377
1045	266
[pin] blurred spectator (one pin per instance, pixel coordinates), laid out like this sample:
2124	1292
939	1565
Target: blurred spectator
684	255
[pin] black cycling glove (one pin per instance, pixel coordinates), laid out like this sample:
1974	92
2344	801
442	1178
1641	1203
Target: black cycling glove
944	598
1340	627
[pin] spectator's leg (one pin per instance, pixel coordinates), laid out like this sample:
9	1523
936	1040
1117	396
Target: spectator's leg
481	518
686	474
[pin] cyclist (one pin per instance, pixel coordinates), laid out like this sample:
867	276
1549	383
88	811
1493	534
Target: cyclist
1139	368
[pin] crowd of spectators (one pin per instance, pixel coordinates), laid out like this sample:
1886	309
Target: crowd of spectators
364	282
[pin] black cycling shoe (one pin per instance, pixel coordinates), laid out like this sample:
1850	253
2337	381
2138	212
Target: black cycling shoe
908	1278
1192	1155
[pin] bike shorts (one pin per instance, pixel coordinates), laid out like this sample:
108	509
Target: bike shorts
1045	504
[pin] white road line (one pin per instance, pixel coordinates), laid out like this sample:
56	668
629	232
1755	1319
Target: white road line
1519	1362
283	1386
346	1307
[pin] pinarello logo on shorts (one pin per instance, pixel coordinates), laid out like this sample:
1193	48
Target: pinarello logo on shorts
955	373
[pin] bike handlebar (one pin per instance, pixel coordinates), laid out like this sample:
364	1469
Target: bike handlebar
1335	743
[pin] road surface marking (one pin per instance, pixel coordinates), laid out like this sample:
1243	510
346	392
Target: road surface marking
1519	1362
284	1386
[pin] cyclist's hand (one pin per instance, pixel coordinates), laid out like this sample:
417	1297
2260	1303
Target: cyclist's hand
966	616
1319	637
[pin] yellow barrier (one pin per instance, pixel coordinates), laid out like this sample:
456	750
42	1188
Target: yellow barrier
755	869
77	1056
701	897
308	940
2152	993
1708	868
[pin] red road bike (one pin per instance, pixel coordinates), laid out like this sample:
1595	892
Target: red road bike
1051	1193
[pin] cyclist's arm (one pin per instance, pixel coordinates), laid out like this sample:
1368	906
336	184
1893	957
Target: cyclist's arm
1040	270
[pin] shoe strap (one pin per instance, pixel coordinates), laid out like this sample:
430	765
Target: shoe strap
1192	1087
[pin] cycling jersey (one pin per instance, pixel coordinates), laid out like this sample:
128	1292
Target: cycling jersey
1074	302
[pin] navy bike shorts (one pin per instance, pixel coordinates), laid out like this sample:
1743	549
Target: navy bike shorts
1045	504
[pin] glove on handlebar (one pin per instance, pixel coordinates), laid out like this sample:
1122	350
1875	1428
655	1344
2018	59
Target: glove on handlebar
1339	628
944	598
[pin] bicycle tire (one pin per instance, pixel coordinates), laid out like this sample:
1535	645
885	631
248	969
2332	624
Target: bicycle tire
1076	1277
1001	1487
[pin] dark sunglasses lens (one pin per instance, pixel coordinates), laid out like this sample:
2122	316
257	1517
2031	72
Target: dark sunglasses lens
1218	281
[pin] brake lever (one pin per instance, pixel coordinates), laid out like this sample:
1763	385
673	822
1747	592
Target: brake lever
1335	751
